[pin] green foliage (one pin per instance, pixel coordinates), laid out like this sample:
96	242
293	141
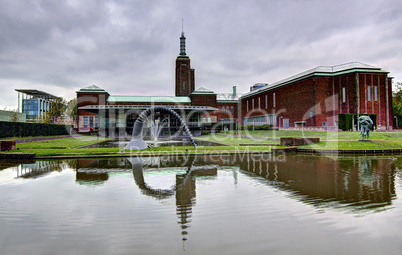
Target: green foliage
346	120
251	127
71	109
57	108
21	129
397	104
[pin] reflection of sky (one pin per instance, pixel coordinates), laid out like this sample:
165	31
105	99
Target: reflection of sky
54	214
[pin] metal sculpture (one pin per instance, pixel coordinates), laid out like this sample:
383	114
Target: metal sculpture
366	124
137	141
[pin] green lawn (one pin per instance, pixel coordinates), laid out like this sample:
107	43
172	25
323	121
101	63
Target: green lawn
70	147
329	140
323	135
258	140
69	143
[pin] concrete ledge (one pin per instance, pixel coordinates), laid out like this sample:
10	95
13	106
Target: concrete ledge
285	149
296	141
359	152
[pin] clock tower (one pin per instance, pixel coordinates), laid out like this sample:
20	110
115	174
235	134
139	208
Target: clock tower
185	80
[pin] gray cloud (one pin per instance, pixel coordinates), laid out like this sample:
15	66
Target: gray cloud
129	47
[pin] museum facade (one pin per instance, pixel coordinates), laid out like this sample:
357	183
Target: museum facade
314	98
309	100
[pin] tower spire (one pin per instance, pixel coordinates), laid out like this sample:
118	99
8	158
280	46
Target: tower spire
182	27
182	41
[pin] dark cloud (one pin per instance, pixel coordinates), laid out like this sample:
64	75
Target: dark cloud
129	47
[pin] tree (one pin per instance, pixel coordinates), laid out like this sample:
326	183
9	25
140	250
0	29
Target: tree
397	103
57	108
72	108
14	116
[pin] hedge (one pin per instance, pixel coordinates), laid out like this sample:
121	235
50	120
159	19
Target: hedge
346	120
23	129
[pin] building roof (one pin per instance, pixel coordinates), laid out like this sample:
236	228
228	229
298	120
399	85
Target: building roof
202	90
228	97
319	71
95	108
91	88
37	93
147	99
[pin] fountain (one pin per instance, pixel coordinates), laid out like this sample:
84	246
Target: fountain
156	126
137	141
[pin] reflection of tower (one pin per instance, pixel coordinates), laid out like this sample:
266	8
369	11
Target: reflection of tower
185	198
185	82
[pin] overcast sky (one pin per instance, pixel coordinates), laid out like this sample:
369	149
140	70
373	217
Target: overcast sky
130	47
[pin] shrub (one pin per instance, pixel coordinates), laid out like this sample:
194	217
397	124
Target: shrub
22	129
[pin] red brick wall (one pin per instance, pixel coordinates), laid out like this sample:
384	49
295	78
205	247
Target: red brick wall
203	100
323	97
147	103
183	74
226	115
292	102
84	99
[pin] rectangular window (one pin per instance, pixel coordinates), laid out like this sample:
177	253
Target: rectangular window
259	103
209	119
375	94
184	85
369	93
96	122
252	104
247	105
266	101
223	109
274	100
204	119
344	95
324	123
231	109
91	122
85	122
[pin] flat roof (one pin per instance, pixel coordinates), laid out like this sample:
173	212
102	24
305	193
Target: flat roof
143	107
37	93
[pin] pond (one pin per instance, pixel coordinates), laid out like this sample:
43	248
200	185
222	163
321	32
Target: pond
244	204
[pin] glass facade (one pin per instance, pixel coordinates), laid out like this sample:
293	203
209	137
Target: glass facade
35	107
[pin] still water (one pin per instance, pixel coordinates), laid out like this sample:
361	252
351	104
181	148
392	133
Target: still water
258	204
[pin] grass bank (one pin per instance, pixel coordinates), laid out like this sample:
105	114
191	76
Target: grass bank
244	141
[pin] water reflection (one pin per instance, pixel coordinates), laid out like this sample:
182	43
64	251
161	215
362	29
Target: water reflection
354	183
95	172
159	201
31	169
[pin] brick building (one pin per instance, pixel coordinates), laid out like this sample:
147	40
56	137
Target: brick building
115	115
313	99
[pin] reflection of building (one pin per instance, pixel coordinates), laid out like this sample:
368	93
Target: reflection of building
96	172
35	103
200	108
364	182
314	98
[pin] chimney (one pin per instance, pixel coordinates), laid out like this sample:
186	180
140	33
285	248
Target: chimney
234	91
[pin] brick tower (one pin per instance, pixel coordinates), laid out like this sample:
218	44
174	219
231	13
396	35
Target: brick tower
185	82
